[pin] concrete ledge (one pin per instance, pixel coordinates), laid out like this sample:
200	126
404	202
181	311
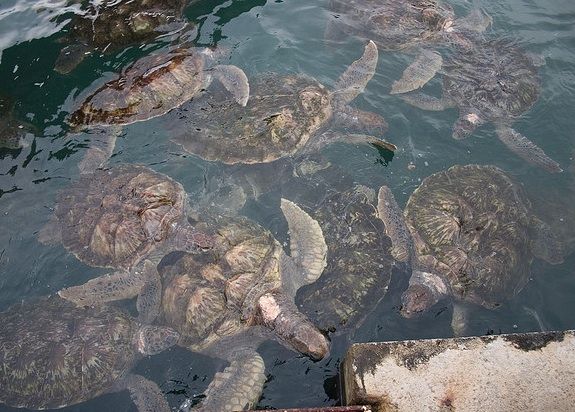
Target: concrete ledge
518	372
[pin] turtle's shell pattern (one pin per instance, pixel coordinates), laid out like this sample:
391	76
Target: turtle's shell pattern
476	222
54	354
392	24
283	112
494	78
114	24
359	262
208	297
114	217
148	88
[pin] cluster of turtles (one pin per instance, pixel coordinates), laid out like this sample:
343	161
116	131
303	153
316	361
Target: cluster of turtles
468	233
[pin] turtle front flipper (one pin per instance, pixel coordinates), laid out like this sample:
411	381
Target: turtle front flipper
460	319
418	73
100	150
476	21
146	394
70	57
150	295
389	212
307	246
545	244
425	102
353	81
238	387
526	149
235	81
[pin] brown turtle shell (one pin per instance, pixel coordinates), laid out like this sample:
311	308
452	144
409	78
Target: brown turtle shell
114	217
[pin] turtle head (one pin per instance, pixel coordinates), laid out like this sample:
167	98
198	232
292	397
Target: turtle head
154	339
465	125
425	290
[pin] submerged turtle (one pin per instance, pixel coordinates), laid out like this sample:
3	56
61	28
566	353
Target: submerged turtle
225	302
110	26
12	131
494	81
54	354
150	87
474	237
127	218
406	25
285	115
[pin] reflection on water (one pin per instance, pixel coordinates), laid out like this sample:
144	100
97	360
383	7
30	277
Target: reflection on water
278	39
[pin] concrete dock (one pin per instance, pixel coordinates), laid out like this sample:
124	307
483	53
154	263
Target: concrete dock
517	372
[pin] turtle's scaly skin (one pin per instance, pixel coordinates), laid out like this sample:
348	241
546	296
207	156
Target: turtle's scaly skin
114	217
473	229
150	87
54	354
392	24
359	262
279	119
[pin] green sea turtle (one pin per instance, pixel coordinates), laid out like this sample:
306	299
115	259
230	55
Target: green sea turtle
150	87
225	302
286	114
13	133
493	81
54	354
470	234
127	218
111	26
411	25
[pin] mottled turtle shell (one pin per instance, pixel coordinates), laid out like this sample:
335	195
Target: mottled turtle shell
359	261
494	78
282	114
207	297
114	217
54	354
148	88
392	24
475	222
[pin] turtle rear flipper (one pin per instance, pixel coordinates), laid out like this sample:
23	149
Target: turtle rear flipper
70	57
418	73
391	215
235	81
425	102
353	81
146	394
526	149
307	246
545	244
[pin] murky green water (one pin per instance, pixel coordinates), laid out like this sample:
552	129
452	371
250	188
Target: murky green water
286	37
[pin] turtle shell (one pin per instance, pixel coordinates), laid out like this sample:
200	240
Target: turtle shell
205	297
392	24
475	221
359	262
55	354
283	112
114	217
494	77
148	88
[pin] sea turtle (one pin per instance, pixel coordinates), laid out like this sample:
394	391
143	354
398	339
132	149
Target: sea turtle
126	217
412	25
110	26
54	354
13	133
223	303
286	114
150	87
494	81
474	237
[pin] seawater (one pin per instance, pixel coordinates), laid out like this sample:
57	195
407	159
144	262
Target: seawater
284	37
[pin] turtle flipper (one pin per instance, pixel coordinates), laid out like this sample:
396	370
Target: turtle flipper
152	340
307	246
107	288
70	57
389	212
238	387
476	21
350	118
51	233
526	149
425	102
460	319
418	73
100	150
235	81
545	243
146	394
150	296
353	81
